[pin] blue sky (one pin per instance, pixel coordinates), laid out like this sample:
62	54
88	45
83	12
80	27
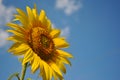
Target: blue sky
92	28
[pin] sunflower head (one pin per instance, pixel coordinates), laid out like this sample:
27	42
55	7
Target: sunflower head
39	43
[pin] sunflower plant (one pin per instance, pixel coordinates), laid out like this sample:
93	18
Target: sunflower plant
39	43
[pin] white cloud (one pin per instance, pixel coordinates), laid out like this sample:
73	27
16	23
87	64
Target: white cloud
3	36
69	6
6	13
65	32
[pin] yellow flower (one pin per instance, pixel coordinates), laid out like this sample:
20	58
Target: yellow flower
39	43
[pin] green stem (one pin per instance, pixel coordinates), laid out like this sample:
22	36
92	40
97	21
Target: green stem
24	67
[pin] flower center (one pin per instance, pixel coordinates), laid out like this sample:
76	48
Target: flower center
45	41
41	43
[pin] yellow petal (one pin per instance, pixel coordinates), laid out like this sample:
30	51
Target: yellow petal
48	24
15	19
55	68
30	14
35	63
28	56
42	16
15	32
22	17
55	33
41	68
22	13
16	38
34	10
14	46
60	77
44	77
22	20
22	47
50	73
55	76
45	21
34	13
19	53
62	67
46	70
64	54
65	60
16	27
60	43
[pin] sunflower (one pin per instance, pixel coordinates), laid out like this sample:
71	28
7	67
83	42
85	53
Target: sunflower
39	43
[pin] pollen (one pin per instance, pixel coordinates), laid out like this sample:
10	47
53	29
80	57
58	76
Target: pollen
41	43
